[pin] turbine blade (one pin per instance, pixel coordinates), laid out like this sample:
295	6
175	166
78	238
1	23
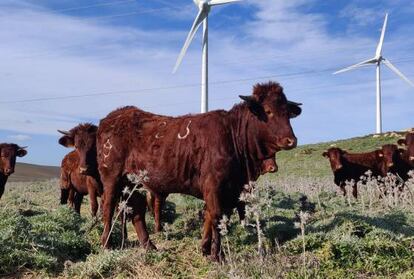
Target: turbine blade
395	70
381	42
202	14
363	63
221	2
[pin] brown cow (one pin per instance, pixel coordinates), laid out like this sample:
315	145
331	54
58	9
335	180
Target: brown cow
396	161
409	143
8	154
79	171
75	185
210	156
351	166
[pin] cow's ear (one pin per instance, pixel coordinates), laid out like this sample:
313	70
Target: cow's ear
294	109
21	152
343	152
402	142
255	106
67	141
325	154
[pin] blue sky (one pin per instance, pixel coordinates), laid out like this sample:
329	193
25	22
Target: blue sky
126	49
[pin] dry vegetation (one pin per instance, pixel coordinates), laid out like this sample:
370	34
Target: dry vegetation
297	227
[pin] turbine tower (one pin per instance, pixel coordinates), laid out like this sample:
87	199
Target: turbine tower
204	7
377	60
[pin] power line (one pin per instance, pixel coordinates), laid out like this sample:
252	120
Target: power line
294	74
94	6
156	88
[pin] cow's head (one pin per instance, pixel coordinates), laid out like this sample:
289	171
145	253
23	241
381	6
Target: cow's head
8	153
390	154
409	143
335	156
268	166
271	107
83	139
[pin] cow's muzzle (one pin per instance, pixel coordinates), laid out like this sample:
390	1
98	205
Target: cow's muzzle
288	143
8	172
412	158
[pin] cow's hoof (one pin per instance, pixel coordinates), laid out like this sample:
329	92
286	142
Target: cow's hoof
149	246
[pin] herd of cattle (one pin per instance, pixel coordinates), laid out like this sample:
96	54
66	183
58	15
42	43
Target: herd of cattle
210	156
350	167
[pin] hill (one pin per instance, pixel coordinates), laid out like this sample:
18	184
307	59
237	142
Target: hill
29	172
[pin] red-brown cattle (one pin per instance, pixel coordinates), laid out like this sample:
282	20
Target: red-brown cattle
351	166
8	154
408	142
75	185
210	156
396	161
79	170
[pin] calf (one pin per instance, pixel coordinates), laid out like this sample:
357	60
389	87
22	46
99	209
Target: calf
8	154
351	166
75	185
79	172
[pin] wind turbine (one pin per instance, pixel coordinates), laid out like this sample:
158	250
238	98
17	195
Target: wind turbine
377	60
204	7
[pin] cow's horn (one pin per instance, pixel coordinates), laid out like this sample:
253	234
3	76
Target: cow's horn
294	103
23	147
246	98
66	133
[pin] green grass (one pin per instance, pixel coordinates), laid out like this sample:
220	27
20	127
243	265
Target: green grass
344	238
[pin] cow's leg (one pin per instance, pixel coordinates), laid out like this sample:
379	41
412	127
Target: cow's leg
93	199
206	240
139	207
355	190
78	202
158	205
110	198
342	187
215	213
64	195
1	190
71	197
241	210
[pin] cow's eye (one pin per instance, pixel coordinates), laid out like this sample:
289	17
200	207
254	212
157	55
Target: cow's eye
269	112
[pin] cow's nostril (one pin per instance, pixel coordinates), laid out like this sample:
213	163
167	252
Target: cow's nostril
290	142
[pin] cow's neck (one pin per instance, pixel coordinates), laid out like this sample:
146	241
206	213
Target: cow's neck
247	144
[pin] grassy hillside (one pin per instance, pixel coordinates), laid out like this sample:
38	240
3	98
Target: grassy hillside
29	172
306	229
